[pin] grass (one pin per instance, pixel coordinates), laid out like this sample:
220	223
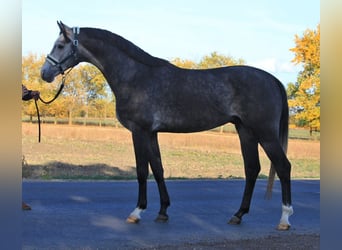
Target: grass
85	152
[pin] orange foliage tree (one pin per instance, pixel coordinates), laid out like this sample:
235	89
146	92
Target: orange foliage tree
304	95
214	60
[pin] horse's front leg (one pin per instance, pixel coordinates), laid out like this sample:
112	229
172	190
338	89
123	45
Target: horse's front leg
158	172
141	157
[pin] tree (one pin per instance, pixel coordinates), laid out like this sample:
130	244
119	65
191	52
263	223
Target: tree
184	63
31	65
85	86
304	95
94	87
214	60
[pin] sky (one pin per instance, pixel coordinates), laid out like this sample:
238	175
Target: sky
259	31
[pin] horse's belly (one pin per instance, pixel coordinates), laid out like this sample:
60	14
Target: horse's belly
190	123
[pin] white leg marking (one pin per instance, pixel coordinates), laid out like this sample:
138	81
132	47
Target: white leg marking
287	211
136	213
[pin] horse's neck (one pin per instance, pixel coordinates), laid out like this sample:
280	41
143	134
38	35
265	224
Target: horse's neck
114	64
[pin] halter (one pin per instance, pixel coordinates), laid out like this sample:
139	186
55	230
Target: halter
55	62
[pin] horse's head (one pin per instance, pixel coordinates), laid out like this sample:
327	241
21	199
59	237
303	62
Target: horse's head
63	55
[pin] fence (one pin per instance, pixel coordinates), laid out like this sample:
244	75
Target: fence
294	133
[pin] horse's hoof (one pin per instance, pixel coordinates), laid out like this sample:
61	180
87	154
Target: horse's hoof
283	227
162	218
132	220
234	220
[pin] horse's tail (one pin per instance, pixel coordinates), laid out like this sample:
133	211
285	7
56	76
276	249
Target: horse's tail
283	137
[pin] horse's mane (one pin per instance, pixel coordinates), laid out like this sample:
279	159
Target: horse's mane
126	46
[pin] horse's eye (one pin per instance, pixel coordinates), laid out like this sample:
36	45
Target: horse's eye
60	46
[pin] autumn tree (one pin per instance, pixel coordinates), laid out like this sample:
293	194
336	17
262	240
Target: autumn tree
31	65
304	95
216	60
184	63
85	86
213	60
85	91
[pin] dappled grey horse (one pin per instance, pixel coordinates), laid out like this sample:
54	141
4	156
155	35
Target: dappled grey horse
152	96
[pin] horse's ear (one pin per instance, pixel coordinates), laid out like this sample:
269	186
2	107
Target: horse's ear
62	30
60	25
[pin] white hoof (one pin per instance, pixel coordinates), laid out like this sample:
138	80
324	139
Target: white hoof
132	220
283	227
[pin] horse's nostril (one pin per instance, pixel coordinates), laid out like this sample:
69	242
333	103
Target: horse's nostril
43	74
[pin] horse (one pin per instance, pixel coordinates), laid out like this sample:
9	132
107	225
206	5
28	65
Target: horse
153	95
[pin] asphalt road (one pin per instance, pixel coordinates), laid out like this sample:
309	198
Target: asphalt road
92	214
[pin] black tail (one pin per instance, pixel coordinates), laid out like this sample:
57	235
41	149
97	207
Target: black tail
283	137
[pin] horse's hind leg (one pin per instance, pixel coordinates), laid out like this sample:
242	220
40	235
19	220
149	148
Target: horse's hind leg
282	166
249	148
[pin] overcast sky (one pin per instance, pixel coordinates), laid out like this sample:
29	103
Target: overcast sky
259	31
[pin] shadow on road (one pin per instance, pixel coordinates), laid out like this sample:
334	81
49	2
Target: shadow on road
62	170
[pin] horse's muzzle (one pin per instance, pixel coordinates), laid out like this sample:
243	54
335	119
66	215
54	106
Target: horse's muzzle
47	74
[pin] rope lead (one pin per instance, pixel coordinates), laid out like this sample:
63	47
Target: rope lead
47	102
38	116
